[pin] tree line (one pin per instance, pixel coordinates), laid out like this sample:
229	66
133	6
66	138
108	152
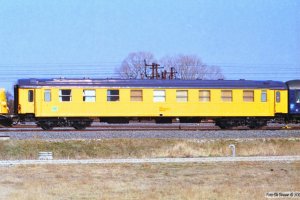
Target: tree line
187	67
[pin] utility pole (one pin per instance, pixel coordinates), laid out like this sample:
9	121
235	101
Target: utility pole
156	75
154	70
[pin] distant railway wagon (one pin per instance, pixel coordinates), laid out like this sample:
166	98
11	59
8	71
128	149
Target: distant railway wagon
294	100
77	102
4	118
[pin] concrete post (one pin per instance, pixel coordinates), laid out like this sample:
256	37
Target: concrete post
232	147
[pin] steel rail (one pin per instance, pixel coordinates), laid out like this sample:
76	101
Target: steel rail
128	127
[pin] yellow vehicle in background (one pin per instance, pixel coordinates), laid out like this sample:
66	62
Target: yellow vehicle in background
5	119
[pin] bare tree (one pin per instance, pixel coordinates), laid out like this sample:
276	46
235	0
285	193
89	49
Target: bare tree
213	73
10	102
133	66
190	67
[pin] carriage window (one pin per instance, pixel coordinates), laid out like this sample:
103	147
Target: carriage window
264	96
226	95
182	95
65	95
47	95
277	97
248	95
30	95
113	95
204	95
89	95
136	95
297	96
159	96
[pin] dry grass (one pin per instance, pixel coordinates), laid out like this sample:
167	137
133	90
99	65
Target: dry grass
140	148
149	181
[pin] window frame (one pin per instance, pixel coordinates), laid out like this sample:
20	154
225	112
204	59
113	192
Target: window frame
47	91
264	96
156	96
225	98
297	96
134	97
61	96
30	96
204	98
278	96
84	95
180	96
110	97
248	98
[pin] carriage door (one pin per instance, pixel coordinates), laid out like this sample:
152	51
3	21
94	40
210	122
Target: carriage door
277	100
26	101
281	101
31	100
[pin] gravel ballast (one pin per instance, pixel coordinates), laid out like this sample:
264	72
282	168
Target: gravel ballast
228	134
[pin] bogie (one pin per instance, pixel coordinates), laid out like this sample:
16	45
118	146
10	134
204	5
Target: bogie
77	123
252	123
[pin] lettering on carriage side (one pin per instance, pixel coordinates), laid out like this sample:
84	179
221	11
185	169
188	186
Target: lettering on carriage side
164	109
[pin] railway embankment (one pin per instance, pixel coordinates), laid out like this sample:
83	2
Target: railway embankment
149	168
137	148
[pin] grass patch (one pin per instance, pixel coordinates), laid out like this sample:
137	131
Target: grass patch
149	181
146	148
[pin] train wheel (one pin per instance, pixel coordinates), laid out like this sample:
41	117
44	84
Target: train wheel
79	127
46	126
225	123
257	124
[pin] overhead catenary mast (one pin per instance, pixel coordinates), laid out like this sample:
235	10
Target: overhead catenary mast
155	74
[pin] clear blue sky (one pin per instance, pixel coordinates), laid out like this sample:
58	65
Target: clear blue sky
251	39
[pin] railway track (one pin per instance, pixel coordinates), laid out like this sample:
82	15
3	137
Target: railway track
146	127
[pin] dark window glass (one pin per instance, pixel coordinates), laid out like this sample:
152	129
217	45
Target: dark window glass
113	95
277	96
297	96
30	95
65	95
112	92
66	98
65	92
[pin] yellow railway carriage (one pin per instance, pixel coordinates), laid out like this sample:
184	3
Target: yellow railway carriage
76	102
